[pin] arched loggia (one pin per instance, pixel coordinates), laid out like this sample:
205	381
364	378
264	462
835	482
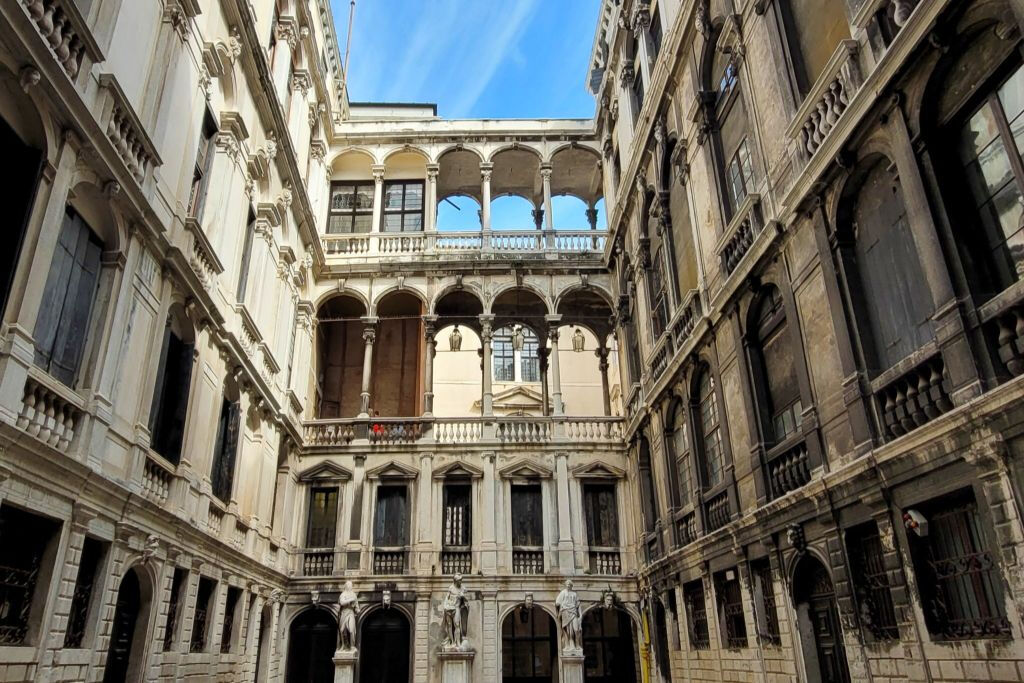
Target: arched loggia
312	641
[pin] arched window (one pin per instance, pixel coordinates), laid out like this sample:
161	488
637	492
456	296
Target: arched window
709	432
678	443
170	398
774	364
658	293
733	143
813	30
225	451
892	301
647	492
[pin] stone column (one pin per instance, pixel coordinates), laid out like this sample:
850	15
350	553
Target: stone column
287	37
549	218
565	551
592	217
556	378
430	350
487	400
431	222
542	362
369	336
602	364
485	203
378	196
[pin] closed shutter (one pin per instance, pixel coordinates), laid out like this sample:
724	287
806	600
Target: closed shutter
391	526
527	516
601	515
224	456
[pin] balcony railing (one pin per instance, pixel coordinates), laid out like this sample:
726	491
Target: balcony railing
605	562
914	398
318	562
788	468
686	529
456	562
716	511
527	561
525	244
48	412
739	237
156	480
828	99
389	562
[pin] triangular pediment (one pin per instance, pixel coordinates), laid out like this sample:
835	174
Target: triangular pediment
525	469
598	470
392	470
458	469
325	470
516	400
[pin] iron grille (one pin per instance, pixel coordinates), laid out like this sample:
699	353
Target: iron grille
735	623
16	587
697	615
766	594
871	583
172	608
77	619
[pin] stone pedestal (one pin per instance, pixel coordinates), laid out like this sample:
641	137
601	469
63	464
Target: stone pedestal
572	666
457	665
345	666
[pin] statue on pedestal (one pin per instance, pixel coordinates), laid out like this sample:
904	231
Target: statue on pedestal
570	618
348	607
455	616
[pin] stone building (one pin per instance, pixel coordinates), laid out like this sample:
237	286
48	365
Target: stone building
765	415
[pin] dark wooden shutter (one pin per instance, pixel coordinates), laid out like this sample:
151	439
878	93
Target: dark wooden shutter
391	526
601	512
527	516
243	275
323	518
156	410
55	291
227	445
170	400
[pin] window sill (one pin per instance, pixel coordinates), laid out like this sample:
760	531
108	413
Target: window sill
19	654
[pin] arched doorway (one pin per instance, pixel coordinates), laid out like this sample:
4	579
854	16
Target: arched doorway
125	657
312	640
821	638
608	647
384	647
263	644
528	646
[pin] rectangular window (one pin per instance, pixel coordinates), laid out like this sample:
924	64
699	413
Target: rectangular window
81	600
26	550
403	206
457	516
243	273
601	512
713	455
227	635
321	530
62	327
638	93
740	174
174	607
527	516
529	361
730	609
765	611
391	522
223	474
504	358
201	170
697	615
170	400
958	577
351	207
204	609
656	35
871	582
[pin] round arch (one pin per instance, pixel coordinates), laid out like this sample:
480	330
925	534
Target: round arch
529	645
352	163
523	304
347	293
818	629
609	635
460	147
456	298
390	630
388	298
515	146
130	627
407	149
312	641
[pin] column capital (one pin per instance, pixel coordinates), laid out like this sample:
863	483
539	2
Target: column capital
486	321
486	169
433	170
553	319
545	172
378	172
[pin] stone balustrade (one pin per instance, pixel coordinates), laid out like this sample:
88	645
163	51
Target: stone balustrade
828	98
716	512
156	480
457	245
745	226
47	414
788	469
914	398
202	259
125	130
605	562
62	27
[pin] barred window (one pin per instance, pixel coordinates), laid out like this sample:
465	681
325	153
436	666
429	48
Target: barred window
174	607
871	582
961	589
730	609
457	516
696	615
25	547
88	566
765	610
227	636
201	618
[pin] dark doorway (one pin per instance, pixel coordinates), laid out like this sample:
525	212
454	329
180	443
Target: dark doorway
528	647
312	640
122	636
821	637
263	645
608	647
384	647
19	193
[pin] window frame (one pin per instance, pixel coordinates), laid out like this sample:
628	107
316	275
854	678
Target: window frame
310	530
351	214
403	211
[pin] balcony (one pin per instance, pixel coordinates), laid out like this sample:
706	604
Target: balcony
318	562
456	562
527	561
828	98
605	561
387	561
910	398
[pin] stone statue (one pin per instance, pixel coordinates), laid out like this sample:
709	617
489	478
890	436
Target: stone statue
455	615
570	618
348	606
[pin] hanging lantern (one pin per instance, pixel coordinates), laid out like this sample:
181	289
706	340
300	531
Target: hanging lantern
518	338
578	340
455	339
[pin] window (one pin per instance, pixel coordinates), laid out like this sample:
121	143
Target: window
65	312
504	356
679	448
765	611
709	428
730	609
774	361
351	208
227	635
814	29
174	607
20	190
26	552
871	582
391	523
201	170
638	92
656	35
602	515
225	451
457	521
990	146
647	493
510	365
81	599
204	609
527	516
243	272
529	360
403	206
659	299
697	615
527	646
728	120
957	576
740	174
170	400
321	529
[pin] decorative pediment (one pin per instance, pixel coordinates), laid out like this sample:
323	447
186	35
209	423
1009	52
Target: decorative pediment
525	469
598	470
325	471
516	400
458	469
392	470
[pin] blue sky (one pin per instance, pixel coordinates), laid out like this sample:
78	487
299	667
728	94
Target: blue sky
474	58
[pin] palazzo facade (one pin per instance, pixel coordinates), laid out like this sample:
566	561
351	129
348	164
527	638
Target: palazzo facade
747	371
